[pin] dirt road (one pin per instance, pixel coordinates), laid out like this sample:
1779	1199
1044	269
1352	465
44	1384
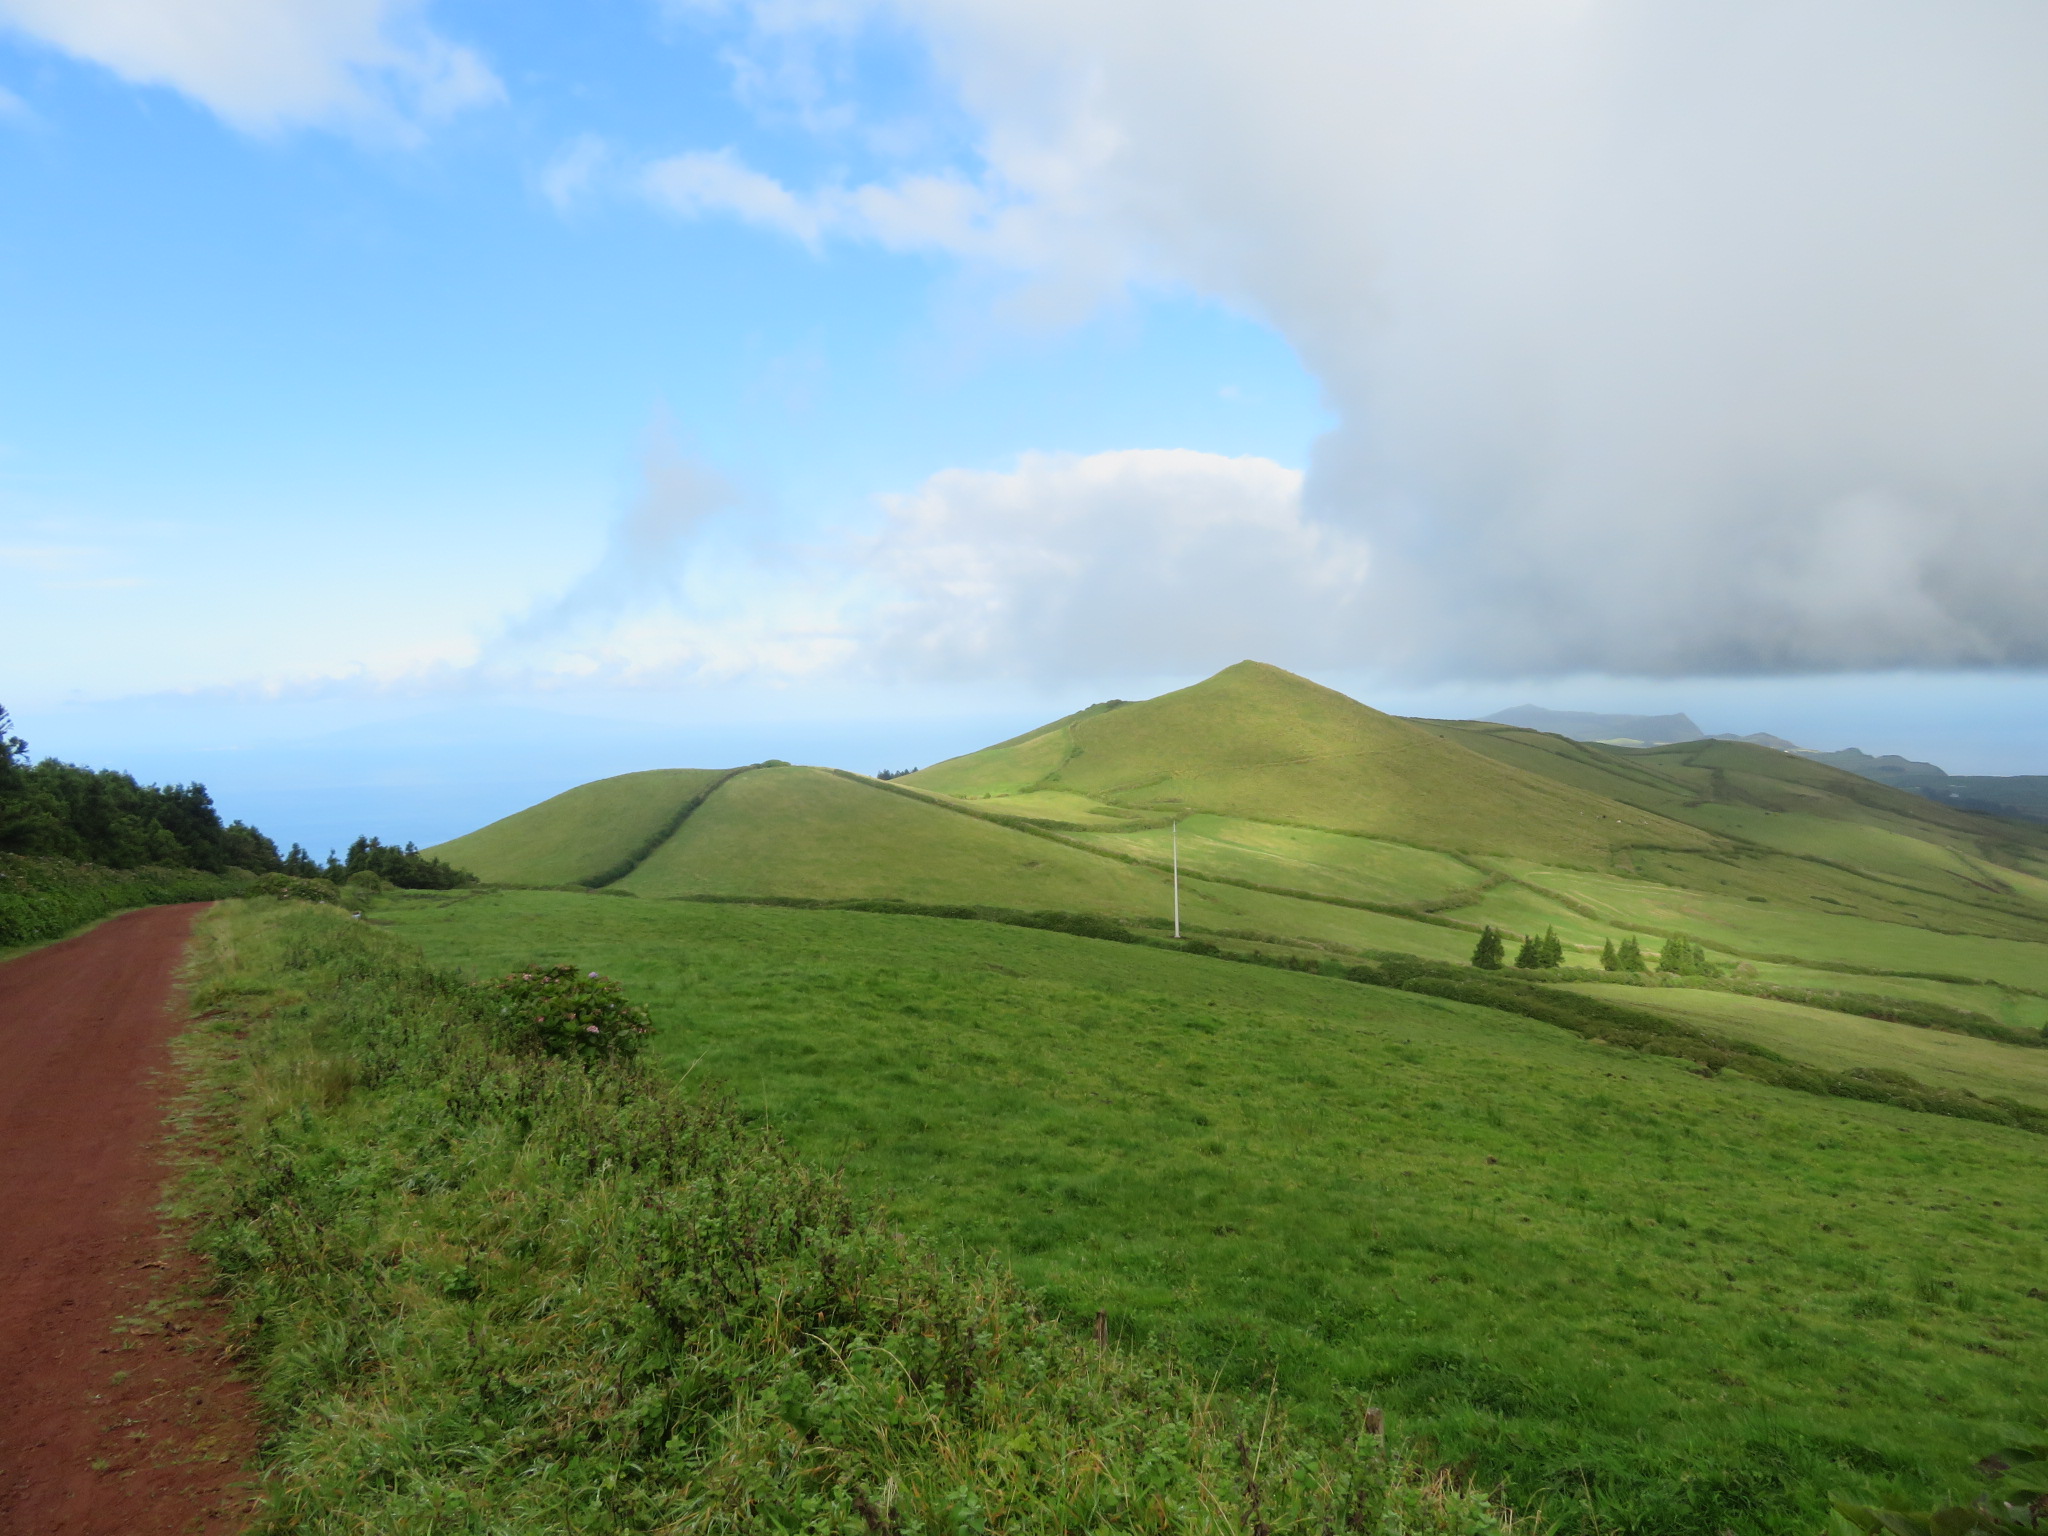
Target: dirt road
102	1433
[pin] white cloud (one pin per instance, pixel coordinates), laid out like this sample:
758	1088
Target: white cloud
1667	335
1161	560
1157	561
570	176
267	64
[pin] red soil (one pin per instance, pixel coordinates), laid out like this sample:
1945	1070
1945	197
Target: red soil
106	1428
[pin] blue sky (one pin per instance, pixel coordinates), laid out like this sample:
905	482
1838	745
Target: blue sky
392	388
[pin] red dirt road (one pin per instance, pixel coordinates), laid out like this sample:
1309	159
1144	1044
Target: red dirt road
135	1433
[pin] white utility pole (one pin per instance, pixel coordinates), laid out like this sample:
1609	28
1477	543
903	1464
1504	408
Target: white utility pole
1176	877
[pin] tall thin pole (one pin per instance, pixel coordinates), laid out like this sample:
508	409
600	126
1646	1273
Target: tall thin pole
1176	877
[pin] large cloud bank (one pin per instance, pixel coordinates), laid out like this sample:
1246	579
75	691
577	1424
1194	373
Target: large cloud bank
1667	335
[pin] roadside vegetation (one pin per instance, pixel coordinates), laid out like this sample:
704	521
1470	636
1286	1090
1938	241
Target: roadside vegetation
490	1277
1640	1297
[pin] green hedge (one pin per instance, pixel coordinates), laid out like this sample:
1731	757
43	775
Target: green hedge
44	899
487	1291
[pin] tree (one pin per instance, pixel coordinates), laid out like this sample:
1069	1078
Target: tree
1489	951
1630	956
1609	960
1550	949
1530	957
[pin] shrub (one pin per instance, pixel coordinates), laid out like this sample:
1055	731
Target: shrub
295	888
561	1011
44	899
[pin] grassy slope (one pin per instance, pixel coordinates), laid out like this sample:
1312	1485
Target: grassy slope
808	832
581	833
1671	1305
1802	830
480	1290
1988	1068
1256	741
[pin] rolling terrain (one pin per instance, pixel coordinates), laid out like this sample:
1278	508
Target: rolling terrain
1305	818
1642	1295
1641	1299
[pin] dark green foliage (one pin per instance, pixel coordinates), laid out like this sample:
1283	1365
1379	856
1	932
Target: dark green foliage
1684	957
1609	960
1489	952
407	868
484	1290
1550	949
101	816
559	1010
44	899
302	864
1629	957
1530	956
295	888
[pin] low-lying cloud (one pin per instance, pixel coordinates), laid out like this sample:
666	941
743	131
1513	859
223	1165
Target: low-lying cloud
1127	563
1667	336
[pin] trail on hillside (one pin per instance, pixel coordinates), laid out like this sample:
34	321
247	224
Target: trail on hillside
139	1432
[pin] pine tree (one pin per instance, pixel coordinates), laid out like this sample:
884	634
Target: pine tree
1630	955
1609	960
1551	949
1487	954
1531	956
1672	961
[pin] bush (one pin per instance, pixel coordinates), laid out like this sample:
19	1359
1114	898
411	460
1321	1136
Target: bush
561	1011
44	899
294	888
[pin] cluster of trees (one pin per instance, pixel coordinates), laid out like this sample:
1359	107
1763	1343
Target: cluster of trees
405	867
1682	956
102	816
1543	954
895	773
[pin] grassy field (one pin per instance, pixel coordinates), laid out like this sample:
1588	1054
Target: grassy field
478	1287
1841	1042
1649	1302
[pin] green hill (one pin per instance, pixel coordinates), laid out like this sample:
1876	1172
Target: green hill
585	834
1305	818
1650	1297
1257	742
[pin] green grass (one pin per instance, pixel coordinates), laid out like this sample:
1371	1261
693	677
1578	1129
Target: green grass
1299	858
1741	926
489	1292
1259	742
1648	1301
581	834
1842	1042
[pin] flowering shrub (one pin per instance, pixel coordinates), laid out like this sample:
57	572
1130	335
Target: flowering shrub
566	1012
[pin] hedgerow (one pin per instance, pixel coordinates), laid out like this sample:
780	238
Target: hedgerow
43	899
